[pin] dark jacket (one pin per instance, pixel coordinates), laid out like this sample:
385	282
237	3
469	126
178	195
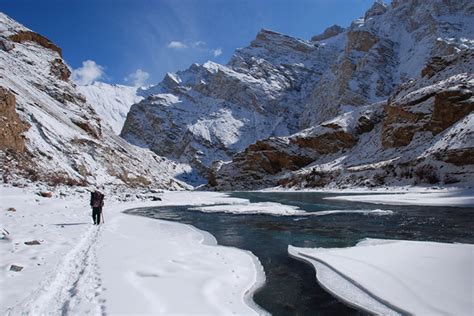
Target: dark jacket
97	199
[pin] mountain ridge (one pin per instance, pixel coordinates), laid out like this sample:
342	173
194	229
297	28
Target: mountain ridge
279	86
53	134
396	85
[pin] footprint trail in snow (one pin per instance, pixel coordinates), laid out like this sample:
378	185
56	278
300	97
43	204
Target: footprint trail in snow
75	285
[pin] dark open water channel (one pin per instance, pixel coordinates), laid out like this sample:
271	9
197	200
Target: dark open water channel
291	286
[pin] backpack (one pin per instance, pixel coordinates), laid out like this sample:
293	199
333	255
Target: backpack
97	199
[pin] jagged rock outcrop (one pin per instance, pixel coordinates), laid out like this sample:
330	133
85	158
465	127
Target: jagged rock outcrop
328	33
279	85
50	132
60	69
414	108
29	36
378	8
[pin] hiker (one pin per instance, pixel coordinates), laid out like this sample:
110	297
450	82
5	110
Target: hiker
97	202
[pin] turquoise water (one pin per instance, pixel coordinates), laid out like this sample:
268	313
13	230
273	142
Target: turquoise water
291	286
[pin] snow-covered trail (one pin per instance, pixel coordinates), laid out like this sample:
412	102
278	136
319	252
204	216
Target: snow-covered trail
73	287
129	265
62	257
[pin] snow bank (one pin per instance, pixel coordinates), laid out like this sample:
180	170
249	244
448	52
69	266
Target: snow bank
397	276
172	268
462	198
129	265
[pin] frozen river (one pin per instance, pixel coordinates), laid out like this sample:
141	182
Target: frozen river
291	287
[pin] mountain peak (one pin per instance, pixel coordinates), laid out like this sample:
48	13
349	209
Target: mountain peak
10	30
328	33
267	38
378	8
264	31
265	35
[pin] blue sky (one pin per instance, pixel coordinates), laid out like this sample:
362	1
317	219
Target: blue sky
122	36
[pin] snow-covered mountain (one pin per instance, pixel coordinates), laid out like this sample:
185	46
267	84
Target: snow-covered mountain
422	135
279	86
111	101
52	133
387	100
210	112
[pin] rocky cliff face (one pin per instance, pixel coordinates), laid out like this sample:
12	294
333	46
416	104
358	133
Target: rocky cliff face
11	126
50	131
387	47
279	86
423	134
210	112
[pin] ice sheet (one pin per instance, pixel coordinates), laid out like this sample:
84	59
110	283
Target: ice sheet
397	276
462	198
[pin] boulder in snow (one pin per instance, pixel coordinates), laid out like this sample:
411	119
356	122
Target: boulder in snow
46	194
16	268
32	243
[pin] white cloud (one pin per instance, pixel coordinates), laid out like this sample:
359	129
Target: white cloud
199	44
138	78
177	45
196	45
217	52
88	73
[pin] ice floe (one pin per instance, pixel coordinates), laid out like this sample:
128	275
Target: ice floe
272	208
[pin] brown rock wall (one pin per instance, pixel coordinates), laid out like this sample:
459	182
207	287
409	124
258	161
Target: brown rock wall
11	126
28	36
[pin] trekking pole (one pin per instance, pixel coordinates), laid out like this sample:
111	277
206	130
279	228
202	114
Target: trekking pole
102	214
